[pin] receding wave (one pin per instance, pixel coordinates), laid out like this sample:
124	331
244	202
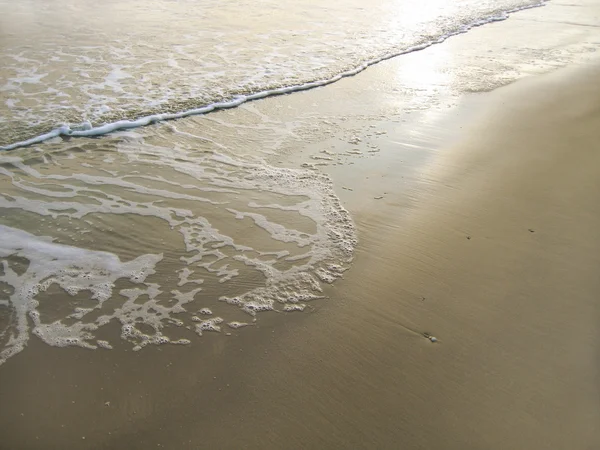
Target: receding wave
123	85
228	239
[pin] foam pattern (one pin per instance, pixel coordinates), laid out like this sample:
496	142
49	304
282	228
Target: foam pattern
73	269
165	244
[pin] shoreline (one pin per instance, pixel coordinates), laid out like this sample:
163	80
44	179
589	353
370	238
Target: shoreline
86	129
485	237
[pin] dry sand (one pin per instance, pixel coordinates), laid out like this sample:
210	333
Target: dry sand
492	247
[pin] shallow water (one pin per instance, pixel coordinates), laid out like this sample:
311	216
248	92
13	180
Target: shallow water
173	231
84	64
168	231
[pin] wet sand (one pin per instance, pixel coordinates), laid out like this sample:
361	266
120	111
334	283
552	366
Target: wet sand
486	237
499	263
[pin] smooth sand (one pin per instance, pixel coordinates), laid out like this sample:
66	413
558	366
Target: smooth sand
499	262
490	244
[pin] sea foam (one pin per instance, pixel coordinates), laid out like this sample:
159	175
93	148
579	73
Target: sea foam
294	236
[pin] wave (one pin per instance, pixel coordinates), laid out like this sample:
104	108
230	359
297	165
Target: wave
87	129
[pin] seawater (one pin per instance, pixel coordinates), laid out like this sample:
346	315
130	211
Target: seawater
152	237
87	68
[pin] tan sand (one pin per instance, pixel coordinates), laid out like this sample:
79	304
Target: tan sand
492	247
499	263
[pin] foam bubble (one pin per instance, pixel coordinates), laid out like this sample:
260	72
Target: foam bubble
104	344
236	325
209	325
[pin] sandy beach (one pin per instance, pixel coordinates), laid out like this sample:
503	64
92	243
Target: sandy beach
478	219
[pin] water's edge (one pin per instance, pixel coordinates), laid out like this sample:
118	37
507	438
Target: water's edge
86	129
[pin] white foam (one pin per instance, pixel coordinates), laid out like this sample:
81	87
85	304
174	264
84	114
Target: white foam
209	325
104	344
73	269
235	325
297	307
147	310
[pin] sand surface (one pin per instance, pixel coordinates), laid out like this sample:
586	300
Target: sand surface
485	236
